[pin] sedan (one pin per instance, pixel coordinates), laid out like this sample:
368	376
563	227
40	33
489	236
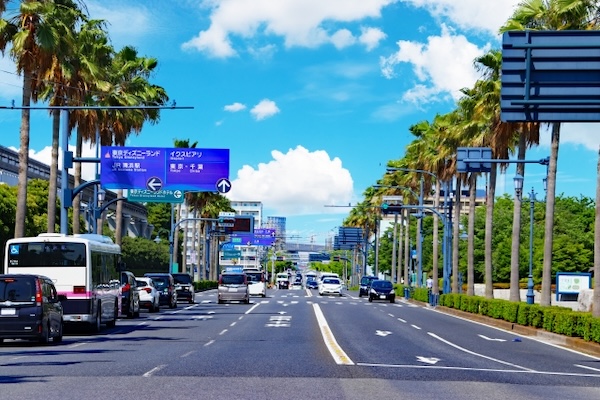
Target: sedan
312	284
382	290
149	295
330	286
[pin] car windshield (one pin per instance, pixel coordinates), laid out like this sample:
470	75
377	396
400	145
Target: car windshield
160	282
381	285
331	281
232	279
182	278
254	276
17	289
366	280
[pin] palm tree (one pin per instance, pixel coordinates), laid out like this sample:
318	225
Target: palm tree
552	15
35	35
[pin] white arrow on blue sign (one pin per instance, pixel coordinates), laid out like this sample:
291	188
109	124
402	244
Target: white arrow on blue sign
223	185
154	184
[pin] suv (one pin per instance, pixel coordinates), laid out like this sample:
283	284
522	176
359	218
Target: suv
365	285
283	281
233	286
165	284
184	286
30	308
130	297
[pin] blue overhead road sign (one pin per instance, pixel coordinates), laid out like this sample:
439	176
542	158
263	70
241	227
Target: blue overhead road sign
156	168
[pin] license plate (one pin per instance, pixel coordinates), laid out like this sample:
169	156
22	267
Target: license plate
382	296
233	289
8	311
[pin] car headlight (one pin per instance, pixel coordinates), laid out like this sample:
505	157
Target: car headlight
392	292
373	291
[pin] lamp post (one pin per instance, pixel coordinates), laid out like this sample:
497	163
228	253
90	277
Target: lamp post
530	294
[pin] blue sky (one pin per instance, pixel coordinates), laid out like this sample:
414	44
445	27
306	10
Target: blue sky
312	97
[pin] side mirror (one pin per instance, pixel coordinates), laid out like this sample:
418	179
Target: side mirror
62	297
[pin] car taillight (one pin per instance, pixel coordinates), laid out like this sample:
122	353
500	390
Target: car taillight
38	292
148	290
126	288
79	289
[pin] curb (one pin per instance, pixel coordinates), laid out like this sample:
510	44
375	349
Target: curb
578	344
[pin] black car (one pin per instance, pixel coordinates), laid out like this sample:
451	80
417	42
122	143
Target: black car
382	290
130	297
184	286
312	284
165	284
365	284
30	308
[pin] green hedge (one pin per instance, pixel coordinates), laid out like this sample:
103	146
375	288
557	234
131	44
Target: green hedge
559	320
205	285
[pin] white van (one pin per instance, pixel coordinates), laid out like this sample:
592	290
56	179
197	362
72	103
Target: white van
257	283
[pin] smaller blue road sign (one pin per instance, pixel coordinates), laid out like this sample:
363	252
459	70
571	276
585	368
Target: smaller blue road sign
223	185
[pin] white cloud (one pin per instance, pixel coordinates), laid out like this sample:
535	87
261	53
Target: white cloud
303	23
264	109
343	38
88	170
126	23
298	182
442	66
235	107
581	134
371	37
486	16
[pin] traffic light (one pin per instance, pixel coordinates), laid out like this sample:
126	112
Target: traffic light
391	208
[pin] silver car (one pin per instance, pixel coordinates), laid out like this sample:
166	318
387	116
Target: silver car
233	286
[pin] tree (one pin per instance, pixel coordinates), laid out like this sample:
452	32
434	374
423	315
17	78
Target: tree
35	38
552	15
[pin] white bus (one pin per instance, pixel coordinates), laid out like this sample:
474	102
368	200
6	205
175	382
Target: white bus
84	268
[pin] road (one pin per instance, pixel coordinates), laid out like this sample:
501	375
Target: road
294	344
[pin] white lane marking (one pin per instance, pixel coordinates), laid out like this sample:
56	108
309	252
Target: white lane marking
477	354
202	317
383	333
428	360
223	332
240	317
77	345
153	370
416	327
586	367
491	339
510	371
209	343
233	323
189	353
402	320
339	356
252	308
391	315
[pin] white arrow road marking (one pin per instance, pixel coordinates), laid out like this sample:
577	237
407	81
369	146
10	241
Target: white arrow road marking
383	333
428	360
282	312
491	339
203	317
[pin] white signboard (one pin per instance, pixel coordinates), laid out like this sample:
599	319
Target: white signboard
572	283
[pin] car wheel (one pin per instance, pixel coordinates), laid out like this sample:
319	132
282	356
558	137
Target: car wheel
113	322
95	325
392	300
59	336
359	294
45	338
220	301
370	299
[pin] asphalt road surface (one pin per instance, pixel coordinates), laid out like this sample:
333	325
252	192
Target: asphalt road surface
295	344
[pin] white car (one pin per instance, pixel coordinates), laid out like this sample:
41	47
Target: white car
149	294
257	285
330	286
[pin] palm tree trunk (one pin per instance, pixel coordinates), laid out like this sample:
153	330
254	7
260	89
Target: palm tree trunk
515	290
470	237
489	222
176	236
545	299
198	252
435	267
53	184
21	212
77	182
456	236
407	255
596	296
399	275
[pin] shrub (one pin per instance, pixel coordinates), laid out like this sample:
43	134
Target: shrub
510	310
523	314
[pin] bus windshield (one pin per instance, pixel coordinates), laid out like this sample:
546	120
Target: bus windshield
40	254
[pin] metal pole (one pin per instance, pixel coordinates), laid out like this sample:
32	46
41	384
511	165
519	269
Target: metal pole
530	294
393	268
420	237
64	173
